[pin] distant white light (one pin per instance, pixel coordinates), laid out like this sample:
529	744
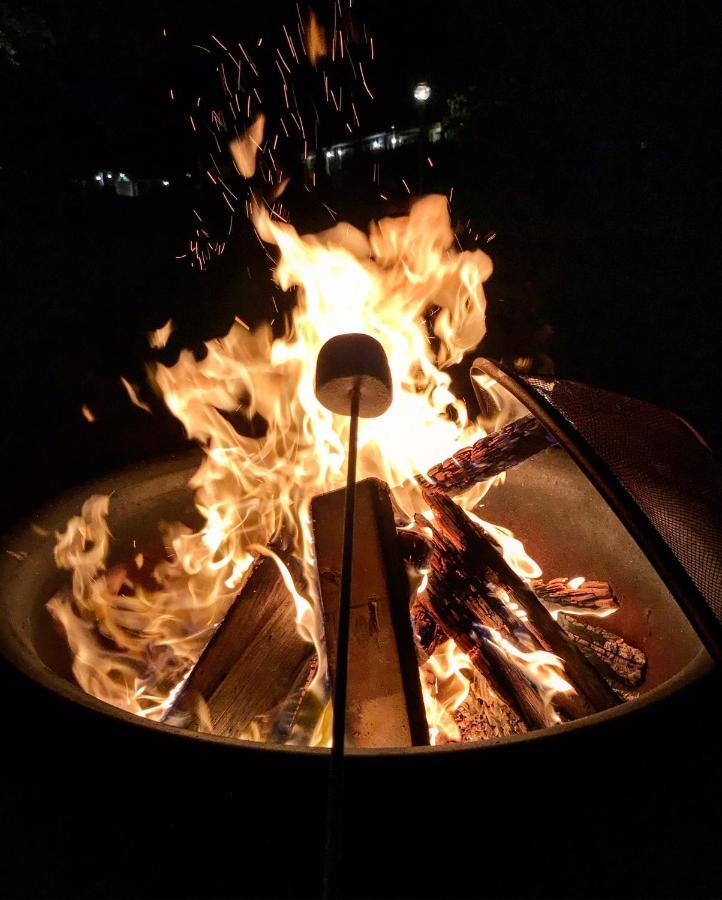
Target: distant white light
422	92
394	140
165	183
377	144
99	177
123	177
108	174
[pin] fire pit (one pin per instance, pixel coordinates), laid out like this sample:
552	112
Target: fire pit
209	600
561	569
547	499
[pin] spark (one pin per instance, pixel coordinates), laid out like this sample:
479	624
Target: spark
285	64
363	81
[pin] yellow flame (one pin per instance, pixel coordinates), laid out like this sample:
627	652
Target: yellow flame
159	338
445	682
404	283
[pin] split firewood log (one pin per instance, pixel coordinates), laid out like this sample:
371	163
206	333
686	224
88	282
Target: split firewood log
255	660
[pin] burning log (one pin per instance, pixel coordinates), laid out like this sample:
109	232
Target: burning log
384	704
255	659
503	591
462	613
489	456
577	593
620	660
429	634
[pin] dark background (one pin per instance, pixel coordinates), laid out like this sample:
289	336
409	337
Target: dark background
584	136
588	142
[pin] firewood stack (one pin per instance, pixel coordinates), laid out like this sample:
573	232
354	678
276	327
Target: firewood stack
471	596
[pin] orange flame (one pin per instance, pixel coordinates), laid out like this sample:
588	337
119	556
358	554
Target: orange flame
382	283
315	39
245	148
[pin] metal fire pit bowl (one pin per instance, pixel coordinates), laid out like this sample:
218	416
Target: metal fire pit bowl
547	502
100	803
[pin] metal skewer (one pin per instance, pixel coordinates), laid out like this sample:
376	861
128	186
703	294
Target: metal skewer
336	773
353	379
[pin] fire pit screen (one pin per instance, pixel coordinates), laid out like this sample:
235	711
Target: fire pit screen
655	470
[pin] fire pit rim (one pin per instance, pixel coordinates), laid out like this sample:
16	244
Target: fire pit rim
14	649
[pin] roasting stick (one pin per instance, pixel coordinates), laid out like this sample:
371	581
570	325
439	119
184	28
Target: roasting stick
352	379
335	778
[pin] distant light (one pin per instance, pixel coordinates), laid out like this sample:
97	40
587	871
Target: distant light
394	140
165	183
329	154
123	177
377	144
99	177
422	92
108	174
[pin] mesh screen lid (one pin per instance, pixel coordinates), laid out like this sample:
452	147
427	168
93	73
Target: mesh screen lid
654	472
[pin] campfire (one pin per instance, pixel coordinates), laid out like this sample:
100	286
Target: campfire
226	622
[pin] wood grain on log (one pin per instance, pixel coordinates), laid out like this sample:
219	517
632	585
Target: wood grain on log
384	704
588	595
625	662
255	659
499	584
489	456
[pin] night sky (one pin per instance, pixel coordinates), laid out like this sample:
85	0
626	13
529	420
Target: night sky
588	146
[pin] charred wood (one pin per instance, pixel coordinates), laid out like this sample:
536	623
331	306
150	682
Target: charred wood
502	590
489	456
620	660
588	595
463	614
429	634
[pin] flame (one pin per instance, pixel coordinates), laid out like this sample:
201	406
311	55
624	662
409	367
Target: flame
512	549
445	682
545	671
315	39
133	394
245	148
159	338
134	639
